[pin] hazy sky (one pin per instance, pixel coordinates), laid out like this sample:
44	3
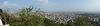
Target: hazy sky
52	5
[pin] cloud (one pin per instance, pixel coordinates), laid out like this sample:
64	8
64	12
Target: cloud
44	1
7	4
41	1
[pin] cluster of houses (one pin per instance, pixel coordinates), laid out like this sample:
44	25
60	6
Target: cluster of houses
64	18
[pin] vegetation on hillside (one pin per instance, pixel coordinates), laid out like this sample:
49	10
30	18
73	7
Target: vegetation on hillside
30	17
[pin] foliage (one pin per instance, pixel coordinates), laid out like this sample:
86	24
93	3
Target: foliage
28	17
51	23
82	21
25	18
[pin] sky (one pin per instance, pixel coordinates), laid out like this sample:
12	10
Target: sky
53	5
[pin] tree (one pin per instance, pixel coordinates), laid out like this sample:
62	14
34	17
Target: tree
82	21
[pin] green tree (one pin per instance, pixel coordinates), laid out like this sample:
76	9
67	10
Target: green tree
82	21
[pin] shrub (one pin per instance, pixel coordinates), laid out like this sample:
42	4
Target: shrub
27	17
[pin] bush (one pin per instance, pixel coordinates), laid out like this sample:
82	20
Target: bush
27	17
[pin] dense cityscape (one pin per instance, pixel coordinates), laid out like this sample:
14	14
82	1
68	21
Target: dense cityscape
65	17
